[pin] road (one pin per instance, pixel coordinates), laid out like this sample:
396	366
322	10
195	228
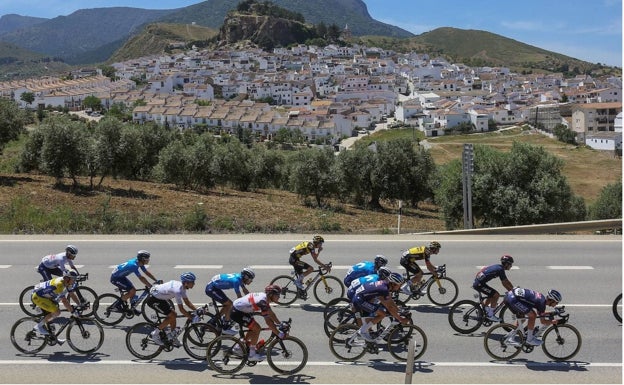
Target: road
541	262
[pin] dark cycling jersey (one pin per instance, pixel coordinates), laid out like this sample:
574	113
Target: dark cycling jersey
488	273
521	301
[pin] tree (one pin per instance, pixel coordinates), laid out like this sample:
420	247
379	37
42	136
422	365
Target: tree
232	164
12	121
609	203
63	149
354	169
564	134
524	186
312	174
92	102
27	97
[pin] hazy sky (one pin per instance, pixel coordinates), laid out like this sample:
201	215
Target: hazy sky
586	30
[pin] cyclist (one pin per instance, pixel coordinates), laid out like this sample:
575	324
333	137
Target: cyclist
373	298
364	268
408	261
55	264
46	296
302	269
525	303
485	275
382	274
243	314
119	277
159	300
220	282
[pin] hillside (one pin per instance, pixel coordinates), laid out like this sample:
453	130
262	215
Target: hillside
12	22
17	62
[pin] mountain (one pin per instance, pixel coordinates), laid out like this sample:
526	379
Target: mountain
12	22
16	62
352	13
85	30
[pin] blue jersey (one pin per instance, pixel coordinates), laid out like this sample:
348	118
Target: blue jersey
359	270
228	281
359	281
488	273
371	290
127	268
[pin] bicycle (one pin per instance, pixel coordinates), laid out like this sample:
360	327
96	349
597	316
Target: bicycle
560	341
347	344
229	354
344	314
444	294
325	287
466	316
195	338
617	308
84	335
85	295
111	309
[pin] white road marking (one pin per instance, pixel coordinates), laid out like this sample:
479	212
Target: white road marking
570	267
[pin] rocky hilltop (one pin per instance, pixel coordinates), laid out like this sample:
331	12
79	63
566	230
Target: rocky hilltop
266	32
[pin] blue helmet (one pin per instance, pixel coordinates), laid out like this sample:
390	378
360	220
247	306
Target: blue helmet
396	278
188	277
554	295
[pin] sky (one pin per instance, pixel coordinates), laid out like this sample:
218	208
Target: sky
586	30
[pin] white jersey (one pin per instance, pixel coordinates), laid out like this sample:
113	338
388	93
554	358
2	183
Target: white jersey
169	290
252	303
56	260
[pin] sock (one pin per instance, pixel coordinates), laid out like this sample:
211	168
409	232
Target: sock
530	334
365	327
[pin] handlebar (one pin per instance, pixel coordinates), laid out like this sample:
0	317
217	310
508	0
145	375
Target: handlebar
284	326
325	269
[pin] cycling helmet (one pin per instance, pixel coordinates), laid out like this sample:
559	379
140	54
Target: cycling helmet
273	289
143	255
71	249
380	261
248	273
554	295
396	278
507	259
70	274
188	277
435	245
383	272
318	239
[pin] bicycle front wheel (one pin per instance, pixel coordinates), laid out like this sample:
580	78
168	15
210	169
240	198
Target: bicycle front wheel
26	304
85	335
140	343
226	354
327	288
561	342
346	344
334	304
503	341
109	310
25	339
287	356
443	294
289	289
617	308
336	318
87	295
465	316
196	338
401	338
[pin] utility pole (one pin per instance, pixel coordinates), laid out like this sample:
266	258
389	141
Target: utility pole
467	170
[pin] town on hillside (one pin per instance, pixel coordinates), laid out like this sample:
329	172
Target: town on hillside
334	92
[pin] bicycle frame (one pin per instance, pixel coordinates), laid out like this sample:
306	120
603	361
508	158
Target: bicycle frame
321	272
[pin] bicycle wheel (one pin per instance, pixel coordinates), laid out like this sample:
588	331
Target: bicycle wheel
328	288
25	339
85	335
289	289
26	304
443	294
497	341
335	304
346	344
465	316
561	342
287	356
109	310
139	342
336	318
617	308
196	338
400	339
87	295
226	354
150	314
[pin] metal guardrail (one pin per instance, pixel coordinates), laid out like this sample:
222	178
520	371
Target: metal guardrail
550	228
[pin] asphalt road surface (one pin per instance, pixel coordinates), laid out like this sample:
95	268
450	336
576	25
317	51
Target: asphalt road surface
586	269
